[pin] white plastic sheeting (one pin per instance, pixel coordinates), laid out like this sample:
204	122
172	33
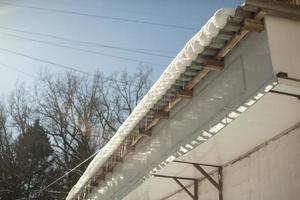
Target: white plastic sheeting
185	57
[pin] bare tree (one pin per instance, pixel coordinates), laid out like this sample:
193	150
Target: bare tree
9	177
21	111
81	113
128	90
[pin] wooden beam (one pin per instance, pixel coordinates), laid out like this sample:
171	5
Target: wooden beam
214	65
162	115
282	7
253	25
94	184
172	103
289	16
260	14
130	148
143	132
190	85
231	43
107	170
248	25
117	159
100	177
185	94
152	124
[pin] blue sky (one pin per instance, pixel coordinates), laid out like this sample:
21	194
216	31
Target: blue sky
56	34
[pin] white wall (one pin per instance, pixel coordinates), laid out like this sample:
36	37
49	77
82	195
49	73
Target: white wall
271	173
284	42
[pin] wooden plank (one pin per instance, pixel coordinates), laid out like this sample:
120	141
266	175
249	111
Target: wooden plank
282	7
209	52
253	25
214	65
191	72
100	177
232	26
130	148
224	35
276	13
217	43
117	158
162	115
231	43
172	103
185	94
260	14
242	33
146	133
94	184
196	66
190	85
107	170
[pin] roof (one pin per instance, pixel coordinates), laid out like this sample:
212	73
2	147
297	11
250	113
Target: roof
172	73
201	55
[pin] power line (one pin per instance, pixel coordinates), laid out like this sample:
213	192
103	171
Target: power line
67	173
80	42
17	70
49	191
102	16
36	77
102	45
44	61
82	50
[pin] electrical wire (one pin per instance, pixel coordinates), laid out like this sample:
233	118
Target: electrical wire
101	45
17	70
82	50
102	16
44	61
80	42
36	77
68	172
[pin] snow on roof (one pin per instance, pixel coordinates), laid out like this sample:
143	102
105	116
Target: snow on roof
184	58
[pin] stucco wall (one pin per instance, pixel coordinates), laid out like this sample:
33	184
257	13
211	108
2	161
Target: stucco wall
284	44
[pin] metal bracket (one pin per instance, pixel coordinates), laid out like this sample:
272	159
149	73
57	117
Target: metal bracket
218	185
177	180
286	93
285	75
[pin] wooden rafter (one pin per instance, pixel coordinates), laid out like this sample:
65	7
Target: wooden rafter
185	94
249	25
